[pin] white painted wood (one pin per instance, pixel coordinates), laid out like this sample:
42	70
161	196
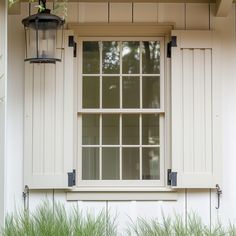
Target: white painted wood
49	122
120	12
145	12
193	21
93	12
194	127
173	13
225	26
3	73
122	196
223	7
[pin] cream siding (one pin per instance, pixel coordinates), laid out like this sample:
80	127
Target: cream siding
201	201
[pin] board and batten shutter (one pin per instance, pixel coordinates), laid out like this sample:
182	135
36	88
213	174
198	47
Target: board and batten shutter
195	109
49	122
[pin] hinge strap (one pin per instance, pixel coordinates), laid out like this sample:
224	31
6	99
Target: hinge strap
71	178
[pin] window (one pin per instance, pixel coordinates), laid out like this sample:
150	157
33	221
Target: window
121	112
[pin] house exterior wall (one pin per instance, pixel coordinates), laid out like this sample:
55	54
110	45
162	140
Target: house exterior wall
3	29
186	17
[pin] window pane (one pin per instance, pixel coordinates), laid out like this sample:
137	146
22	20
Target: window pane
151	57
151	92
110	129
111	58
90	92
130	57
131	97
90	129
130	129
90	163
110	163
110	92
150	129
91	58
151	163
130	163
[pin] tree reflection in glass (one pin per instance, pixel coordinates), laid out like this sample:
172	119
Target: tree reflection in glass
151	57
131	57
110	57
91	58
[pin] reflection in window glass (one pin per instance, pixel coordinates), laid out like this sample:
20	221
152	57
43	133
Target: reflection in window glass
130	129
150	163
151	92
131	57
150	129
130	163
90	129
91	92
110	163
90	163
110	92
110	129
91	58
110	58
151	57
131	94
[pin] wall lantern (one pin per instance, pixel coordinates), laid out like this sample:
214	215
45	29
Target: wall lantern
43	36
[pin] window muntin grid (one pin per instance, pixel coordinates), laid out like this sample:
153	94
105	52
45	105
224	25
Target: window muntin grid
139	144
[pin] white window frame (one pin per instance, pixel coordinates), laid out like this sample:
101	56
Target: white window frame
123	183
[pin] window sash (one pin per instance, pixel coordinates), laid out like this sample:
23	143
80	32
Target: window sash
138	111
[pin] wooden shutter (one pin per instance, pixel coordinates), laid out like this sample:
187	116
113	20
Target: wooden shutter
196	115
49	122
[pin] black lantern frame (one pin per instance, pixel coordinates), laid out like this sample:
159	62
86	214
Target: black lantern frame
42	36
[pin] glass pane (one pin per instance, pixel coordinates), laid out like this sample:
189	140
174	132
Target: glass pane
151	163
90	129
91	58
110	163
90	92
110	92
151	57
130	57
131	97
150	129
110	129
151	92
90	163
130	163
111	58
130	129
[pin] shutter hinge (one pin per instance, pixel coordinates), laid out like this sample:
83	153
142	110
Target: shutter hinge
71	178
171	178
72	43
172	43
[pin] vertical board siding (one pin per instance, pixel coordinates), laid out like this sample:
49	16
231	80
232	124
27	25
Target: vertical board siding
145	12
197	16
93	12
120	12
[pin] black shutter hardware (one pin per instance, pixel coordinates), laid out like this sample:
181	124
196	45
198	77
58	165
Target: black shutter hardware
172	43
72	43
171	178
71	178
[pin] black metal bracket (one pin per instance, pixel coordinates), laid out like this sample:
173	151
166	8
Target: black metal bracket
72	43
218	192
171	178
71	178
172	43
25	195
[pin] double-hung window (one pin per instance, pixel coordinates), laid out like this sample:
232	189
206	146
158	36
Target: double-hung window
121	112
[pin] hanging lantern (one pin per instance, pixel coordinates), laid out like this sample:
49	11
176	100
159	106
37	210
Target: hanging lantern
43	36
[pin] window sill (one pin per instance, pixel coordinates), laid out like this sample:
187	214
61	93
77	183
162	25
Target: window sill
122	194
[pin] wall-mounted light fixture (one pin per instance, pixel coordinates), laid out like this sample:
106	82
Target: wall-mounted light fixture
43	36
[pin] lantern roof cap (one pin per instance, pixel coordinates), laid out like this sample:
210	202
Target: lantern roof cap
43	18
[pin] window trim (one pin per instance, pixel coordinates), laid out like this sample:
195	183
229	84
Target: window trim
132	30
